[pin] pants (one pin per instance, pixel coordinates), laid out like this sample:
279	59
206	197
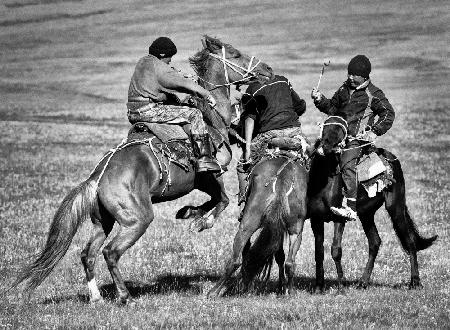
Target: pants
262	140
349	160
168	114
259	144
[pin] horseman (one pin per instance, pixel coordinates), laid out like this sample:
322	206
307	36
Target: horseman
152	98
271	108
358	101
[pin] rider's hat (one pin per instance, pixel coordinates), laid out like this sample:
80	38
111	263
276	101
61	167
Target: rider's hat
359	66
162	47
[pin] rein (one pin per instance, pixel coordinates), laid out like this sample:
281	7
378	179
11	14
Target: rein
246	73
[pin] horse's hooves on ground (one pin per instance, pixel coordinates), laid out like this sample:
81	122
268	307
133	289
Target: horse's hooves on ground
318	290
96	301
415	285
126	302
362	284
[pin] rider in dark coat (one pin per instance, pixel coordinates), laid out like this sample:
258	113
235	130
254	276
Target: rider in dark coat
358	101
271	109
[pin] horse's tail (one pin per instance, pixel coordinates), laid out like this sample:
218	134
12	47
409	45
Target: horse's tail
75	208
404	225
421	242
258	260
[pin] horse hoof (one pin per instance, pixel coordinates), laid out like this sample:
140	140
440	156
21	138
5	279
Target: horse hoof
96	301
126	301
362	284
200	224
415	284
318	290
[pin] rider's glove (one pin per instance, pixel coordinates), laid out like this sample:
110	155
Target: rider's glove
211	101
368	136
316	95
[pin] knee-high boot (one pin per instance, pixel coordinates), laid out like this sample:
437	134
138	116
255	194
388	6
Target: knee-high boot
202	151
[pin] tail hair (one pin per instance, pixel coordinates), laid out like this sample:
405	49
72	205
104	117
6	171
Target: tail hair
406	229
257	262
74	209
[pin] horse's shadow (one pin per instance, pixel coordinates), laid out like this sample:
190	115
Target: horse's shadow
164	284
193	284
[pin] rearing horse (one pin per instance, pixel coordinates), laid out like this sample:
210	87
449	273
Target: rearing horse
325	190
126	183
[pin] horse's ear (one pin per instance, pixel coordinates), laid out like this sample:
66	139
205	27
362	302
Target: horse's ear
210	43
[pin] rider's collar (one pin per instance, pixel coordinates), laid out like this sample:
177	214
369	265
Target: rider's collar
363	85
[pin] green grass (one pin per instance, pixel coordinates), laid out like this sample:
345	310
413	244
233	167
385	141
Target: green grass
63	81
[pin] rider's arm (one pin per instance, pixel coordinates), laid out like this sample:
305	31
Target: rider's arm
172	80
329	106
298	103
249	127
385	112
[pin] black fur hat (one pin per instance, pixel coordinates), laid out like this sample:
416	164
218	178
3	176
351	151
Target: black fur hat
162	47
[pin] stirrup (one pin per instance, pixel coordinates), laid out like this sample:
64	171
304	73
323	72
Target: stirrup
345	212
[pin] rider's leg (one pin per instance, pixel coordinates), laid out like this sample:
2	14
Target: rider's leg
181	115
349	159
201	144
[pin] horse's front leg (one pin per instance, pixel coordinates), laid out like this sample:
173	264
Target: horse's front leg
318	230
213	185
336	252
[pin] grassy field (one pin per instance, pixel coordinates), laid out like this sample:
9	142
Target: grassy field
64	74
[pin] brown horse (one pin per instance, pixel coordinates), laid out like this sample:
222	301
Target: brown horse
126	183
325	190
276	203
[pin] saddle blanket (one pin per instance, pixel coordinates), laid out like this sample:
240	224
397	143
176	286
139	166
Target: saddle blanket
174	145
374	173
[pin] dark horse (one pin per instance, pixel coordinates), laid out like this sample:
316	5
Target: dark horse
276	203
127	182
325	190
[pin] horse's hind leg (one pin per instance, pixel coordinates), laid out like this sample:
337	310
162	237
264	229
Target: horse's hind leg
336	252
134	221
89	256
395	204
280	258
374	241
295	240
248	226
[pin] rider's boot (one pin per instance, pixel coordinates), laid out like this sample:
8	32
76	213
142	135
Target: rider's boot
347	210
202	151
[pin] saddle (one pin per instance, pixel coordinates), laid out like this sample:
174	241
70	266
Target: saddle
287	147
172	142
374	172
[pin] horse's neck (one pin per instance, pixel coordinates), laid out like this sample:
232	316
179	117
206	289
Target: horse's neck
324	170
221	95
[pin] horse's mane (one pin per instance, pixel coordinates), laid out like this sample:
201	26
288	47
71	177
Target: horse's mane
199	61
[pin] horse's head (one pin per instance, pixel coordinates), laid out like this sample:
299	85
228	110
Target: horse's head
332	135
226	65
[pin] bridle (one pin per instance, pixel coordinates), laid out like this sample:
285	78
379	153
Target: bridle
341	144
246	73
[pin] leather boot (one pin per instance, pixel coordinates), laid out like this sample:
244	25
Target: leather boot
202	151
